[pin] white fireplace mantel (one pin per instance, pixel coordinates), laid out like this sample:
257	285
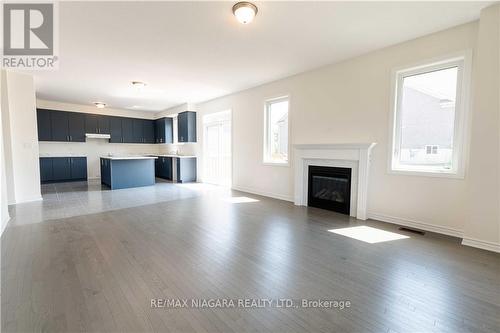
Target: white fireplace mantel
351	155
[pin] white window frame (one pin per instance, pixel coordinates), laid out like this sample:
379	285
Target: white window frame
462	61
267	103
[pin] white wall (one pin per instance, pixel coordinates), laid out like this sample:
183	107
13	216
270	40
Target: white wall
483	192
54	105
4	211
20	137
94	148
349	102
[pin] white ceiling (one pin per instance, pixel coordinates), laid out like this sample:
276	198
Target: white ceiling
196	51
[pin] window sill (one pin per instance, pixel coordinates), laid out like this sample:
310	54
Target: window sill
432	174
280	164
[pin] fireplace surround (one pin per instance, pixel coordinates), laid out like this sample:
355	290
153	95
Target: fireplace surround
355	156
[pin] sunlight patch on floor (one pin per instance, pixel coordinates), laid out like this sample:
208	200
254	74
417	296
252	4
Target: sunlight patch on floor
368	234
236	200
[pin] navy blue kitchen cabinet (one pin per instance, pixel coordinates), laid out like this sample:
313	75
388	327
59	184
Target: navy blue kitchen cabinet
46	173
78	168
159	128
115	129
164	130
44	126
186	169
148	131
66	126
128	130
59	125
76	127
163	167
103	124
186	126
58	169
61	168
92	123
105	171
127	172
138	131
96	124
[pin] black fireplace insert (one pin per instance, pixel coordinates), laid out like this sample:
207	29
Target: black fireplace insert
330	188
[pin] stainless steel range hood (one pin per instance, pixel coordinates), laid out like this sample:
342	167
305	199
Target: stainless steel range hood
97	136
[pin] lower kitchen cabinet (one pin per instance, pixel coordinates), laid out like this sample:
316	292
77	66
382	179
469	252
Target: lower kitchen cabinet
163	167
186	169
46	169
78	168
59	169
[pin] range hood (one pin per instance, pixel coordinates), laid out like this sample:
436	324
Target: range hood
97	136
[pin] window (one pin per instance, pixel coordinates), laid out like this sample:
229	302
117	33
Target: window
428	133
276	131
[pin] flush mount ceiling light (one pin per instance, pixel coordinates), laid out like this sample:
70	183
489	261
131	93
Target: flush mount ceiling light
100	105
138	84
245	12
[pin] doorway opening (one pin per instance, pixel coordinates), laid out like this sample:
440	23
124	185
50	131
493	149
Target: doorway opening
217	148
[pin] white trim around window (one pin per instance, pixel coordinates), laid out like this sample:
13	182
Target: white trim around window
265	156
462	61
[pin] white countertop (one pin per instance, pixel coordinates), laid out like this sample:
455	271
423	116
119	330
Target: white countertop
129	157
62	155
173	155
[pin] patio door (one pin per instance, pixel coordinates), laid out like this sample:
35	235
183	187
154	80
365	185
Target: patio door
217	148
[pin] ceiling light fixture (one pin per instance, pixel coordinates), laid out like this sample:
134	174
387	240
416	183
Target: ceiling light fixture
100	105
138	84
245	12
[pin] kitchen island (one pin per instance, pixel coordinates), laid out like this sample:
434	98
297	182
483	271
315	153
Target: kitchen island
119	172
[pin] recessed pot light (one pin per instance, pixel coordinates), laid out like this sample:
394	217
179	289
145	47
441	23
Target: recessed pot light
100	105
245	11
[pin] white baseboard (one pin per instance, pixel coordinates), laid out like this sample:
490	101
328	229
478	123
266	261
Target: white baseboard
28	200
481	244
416	224
263	193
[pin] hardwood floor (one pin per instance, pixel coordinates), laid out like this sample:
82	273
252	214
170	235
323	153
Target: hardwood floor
87	259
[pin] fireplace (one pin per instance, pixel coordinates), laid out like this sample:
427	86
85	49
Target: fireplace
354	156
329	188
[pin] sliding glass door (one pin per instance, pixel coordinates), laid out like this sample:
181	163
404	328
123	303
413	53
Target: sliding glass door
217	148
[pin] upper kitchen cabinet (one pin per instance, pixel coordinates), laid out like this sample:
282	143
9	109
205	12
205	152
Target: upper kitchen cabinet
96	124
59	125
128	130
186	126
137	131
164	130
76	126
67	126
44	126
148	131
115	129
103	122
91	123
